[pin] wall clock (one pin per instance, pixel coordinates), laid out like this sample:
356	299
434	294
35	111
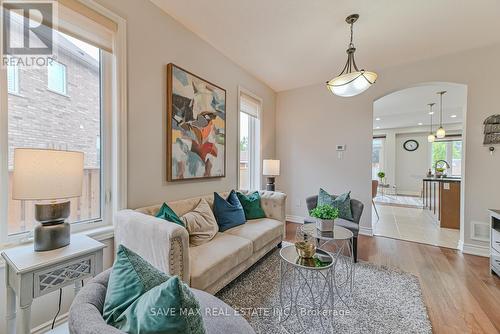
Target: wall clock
410	145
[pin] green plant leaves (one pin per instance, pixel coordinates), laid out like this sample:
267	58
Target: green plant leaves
326	212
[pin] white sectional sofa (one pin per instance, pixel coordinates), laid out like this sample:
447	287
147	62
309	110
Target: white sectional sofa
210	266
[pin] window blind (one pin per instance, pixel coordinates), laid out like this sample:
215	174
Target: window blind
75	19
79	21
250	105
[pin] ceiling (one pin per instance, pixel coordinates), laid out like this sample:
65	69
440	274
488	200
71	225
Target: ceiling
409	107
295	43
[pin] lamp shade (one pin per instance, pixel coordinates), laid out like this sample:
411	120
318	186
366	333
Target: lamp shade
440	133
351	84
41	174
271	167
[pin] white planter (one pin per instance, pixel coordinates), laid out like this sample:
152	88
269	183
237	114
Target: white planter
324	224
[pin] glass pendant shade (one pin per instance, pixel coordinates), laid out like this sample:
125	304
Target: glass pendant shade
440	133
351	81
351	84
431	138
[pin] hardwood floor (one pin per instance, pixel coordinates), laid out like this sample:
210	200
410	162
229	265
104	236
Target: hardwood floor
460	293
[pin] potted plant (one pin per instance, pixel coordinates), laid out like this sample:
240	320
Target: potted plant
381	176
325	216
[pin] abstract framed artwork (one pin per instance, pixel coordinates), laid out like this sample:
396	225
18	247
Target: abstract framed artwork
196	127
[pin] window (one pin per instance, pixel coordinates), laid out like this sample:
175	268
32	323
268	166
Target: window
91	62
56	77
249	146
60	123
451	152
13	79
377	156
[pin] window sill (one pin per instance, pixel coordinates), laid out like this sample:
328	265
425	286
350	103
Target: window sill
58	93
16	94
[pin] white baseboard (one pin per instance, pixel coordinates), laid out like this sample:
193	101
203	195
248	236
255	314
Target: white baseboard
45	327
368	231
294	219
473	249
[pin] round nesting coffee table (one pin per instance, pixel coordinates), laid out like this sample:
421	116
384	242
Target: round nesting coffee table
306	288
340	242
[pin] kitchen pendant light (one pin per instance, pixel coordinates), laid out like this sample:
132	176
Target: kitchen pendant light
351	81
431	138
441	133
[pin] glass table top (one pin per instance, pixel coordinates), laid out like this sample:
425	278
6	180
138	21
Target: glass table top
338	233
320	260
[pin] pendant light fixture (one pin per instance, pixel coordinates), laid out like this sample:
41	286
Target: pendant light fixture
441	133
431	138
351	81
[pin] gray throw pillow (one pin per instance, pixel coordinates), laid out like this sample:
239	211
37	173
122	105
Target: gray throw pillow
341	202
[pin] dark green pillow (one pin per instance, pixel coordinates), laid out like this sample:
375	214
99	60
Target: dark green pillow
169	215
251	205
169	308
130	278
342	202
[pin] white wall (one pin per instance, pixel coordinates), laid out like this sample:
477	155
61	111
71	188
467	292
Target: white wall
411	167
310	121
406	169
155	39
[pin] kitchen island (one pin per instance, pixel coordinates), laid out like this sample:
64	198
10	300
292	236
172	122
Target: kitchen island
441	196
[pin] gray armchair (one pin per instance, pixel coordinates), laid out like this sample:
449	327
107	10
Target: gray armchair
353	226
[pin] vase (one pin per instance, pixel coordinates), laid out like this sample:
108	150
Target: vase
305	245
324	225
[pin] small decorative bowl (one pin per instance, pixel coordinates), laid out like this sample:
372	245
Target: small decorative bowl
305	249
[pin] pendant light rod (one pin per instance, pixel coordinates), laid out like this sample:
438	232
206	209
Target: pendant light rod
441	107
351	63
431	113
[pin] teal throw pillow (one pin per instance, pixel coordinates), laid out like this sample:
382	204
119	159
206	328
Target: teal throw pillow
228	213
142	299
130	278
169	308
168	214
341	202
251	205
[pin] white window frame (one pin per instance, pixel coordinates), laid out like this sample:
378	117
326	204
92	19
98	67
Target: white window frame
255	147
65	78
381	155
449	151
15	90
113	137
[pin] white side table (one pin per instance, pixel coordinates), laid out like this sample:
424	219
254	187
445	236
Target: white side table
30	274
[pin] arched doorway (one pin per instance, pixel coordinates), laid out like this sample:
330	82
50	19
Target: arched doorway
419	196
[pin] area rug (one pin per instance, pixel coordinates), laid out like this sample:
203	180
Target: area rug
384	300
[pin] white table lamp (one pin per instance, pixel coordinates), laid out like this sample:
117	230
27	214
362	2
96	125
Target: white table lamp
43	174
271	169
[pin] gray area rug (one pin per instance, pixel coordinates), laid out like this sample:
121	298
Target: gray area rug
384	300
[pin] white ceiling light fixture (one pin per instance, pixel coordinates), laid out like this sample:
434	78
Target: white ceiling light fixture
453	116
420	123
431	138
441	133
351	81
377	119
